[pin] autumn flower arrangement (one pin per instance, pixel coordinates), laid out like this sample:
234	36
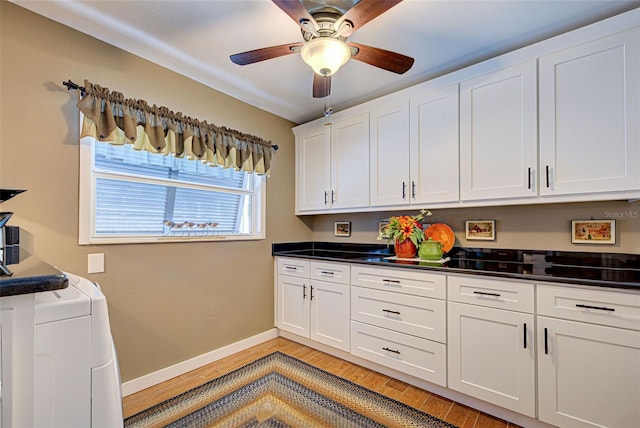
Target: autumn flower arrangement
401	228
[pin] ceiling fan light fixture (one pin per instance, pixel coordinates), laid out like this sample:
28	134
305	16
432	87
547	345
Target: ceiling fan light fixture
325	55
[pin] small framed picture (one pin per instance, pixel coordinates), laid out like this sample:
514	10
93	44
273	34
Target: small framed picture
480	230
342	228
381	232
593	231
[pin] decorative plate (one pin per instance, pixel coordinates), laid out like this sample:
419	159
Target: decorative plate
443	233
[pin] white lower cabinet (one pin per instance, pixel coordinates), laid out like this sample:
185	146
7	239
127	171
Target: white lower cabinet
491	356
311	308
478	335
329	323
588	370
413	355
415	315
589	375
491	351
293	305
397	322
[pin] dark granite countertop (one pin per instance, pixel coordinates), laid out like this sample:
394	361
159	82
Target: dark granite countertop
594	269
29	274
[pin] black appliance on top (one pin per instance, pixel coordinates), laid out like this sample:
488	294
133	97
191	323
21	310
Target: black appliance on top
9	235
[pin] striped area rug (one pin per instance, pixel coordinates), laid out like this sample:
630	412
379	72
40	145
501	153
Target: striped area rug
280	391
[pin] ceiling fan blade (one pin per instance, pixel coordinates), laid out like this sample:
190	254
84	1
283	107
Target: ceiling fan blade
321	86
381	58
363	12
262	54
297	12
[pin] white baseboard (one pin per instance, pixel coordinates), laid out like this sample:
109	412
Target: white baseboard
138	384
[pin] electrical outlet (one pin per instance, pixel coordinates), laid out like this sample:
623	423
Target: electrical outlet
95	263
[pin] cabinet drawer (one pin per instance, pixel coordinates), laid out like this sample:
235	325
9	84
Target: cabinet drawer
606	307
400	281
408	354
331	272
293	267
494	293
418	316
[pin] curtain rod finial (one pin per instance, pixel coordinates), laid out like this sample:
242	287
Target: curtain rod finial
70	85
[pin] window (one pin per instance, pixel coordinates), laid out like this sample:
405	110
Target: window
135	196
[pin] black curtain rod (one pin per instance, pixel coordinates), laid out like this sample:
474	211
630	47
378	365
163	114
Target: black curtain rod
70	85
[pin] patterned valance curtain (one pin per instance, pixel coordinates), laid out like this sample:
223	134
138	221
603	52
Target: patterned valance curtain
112	118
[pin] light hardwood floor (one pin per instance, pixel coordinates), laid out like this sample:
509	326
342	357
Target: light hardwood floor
443	408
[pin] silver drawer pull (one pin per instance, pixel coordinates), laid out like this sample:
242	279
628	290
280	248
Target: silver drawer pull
391	312
326	272
391	281
600	308
391	350
484	293
291	267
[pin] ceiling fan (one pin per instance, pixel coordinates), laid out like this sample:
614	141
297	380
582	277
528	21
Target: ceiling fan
325	47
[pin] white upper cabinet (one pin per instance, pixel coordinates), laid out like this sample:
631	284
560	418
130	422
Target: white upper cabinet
350	162
590	117
313	169
390	153
332	167
557	121
434	145
498	134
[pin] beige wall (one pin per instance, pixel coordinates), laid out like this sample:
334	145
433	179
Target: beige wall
532	227
167	302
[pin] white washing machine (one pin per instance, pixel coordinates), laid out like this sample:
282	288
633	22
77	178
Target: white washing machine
77	378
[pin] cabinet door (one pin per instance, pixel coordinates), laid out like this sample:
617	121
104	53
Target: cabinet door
491	356
350	162
498	134
588	375
330	314
293	305
390	154
589	110
313	166
434	145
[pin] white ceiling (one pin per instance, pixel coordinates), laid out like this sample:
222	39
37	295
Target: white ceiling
195	38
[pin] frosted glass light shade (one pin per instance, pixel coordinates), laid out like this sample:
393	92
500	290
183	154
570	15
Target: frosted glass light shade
325	55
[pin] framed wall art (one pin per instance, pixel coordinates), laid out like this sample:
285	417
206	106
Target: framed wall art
381	232
480	230
342	228
593	231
